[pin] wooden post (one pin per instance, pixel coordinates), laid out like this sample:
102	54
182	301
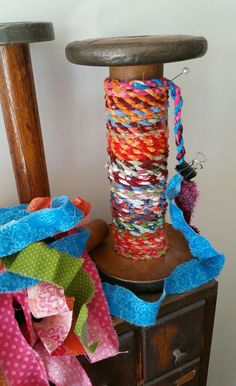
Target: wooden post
20	112
19	106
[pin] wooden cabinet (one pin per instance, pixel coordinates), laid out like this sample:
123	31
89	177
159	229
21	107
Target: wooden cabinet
174	352
187	375
175	340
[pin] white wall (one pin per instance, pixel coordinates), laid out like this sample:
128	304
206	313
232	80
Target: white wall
71	107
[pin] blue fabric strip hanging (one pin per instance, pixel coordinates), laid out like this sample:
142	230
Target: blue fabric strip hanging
205	265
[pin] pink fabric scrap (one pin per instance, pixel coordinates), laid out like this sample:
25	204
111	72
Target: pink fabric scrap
53	330
46	299
99	323
63	371
27	330
20	364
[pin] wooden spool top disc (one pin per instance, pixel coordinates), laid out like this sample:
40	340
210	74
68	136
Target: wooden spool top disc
25	32
136	50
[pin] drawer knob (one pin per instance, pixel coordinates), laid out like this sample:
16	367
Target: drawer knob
179	356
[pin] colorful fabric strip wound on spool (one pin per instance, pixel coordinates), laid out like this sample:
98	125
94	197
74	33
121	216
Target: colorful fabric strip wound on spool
137	146
137	133
48	281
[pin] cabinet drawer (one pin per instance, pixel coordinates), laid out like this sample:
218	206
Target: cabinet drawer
175	340
187	375
116	371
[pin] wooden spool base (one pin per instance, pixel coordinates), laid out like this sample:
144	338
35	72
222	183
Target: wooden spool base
141	276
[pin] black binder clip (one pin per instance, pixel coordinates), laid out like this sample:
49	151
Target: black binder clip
188	170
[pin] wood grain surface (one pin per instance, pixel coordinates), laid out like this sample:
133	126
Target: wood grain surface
20	112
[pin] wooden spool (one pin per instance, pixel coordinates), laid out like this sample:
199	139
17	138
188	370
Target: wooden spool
138	58
19	106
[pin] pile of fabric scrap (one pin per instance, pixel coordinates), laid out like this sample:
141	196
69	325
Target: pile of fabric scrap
52	306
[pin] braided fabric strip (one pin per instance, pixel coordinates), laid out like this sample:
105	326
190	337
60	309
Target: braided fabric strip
137	136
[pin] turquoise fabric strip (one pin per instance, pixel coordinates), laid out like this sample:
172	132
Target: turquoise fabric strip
205	265
13	213
39	225
11	282
73	244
